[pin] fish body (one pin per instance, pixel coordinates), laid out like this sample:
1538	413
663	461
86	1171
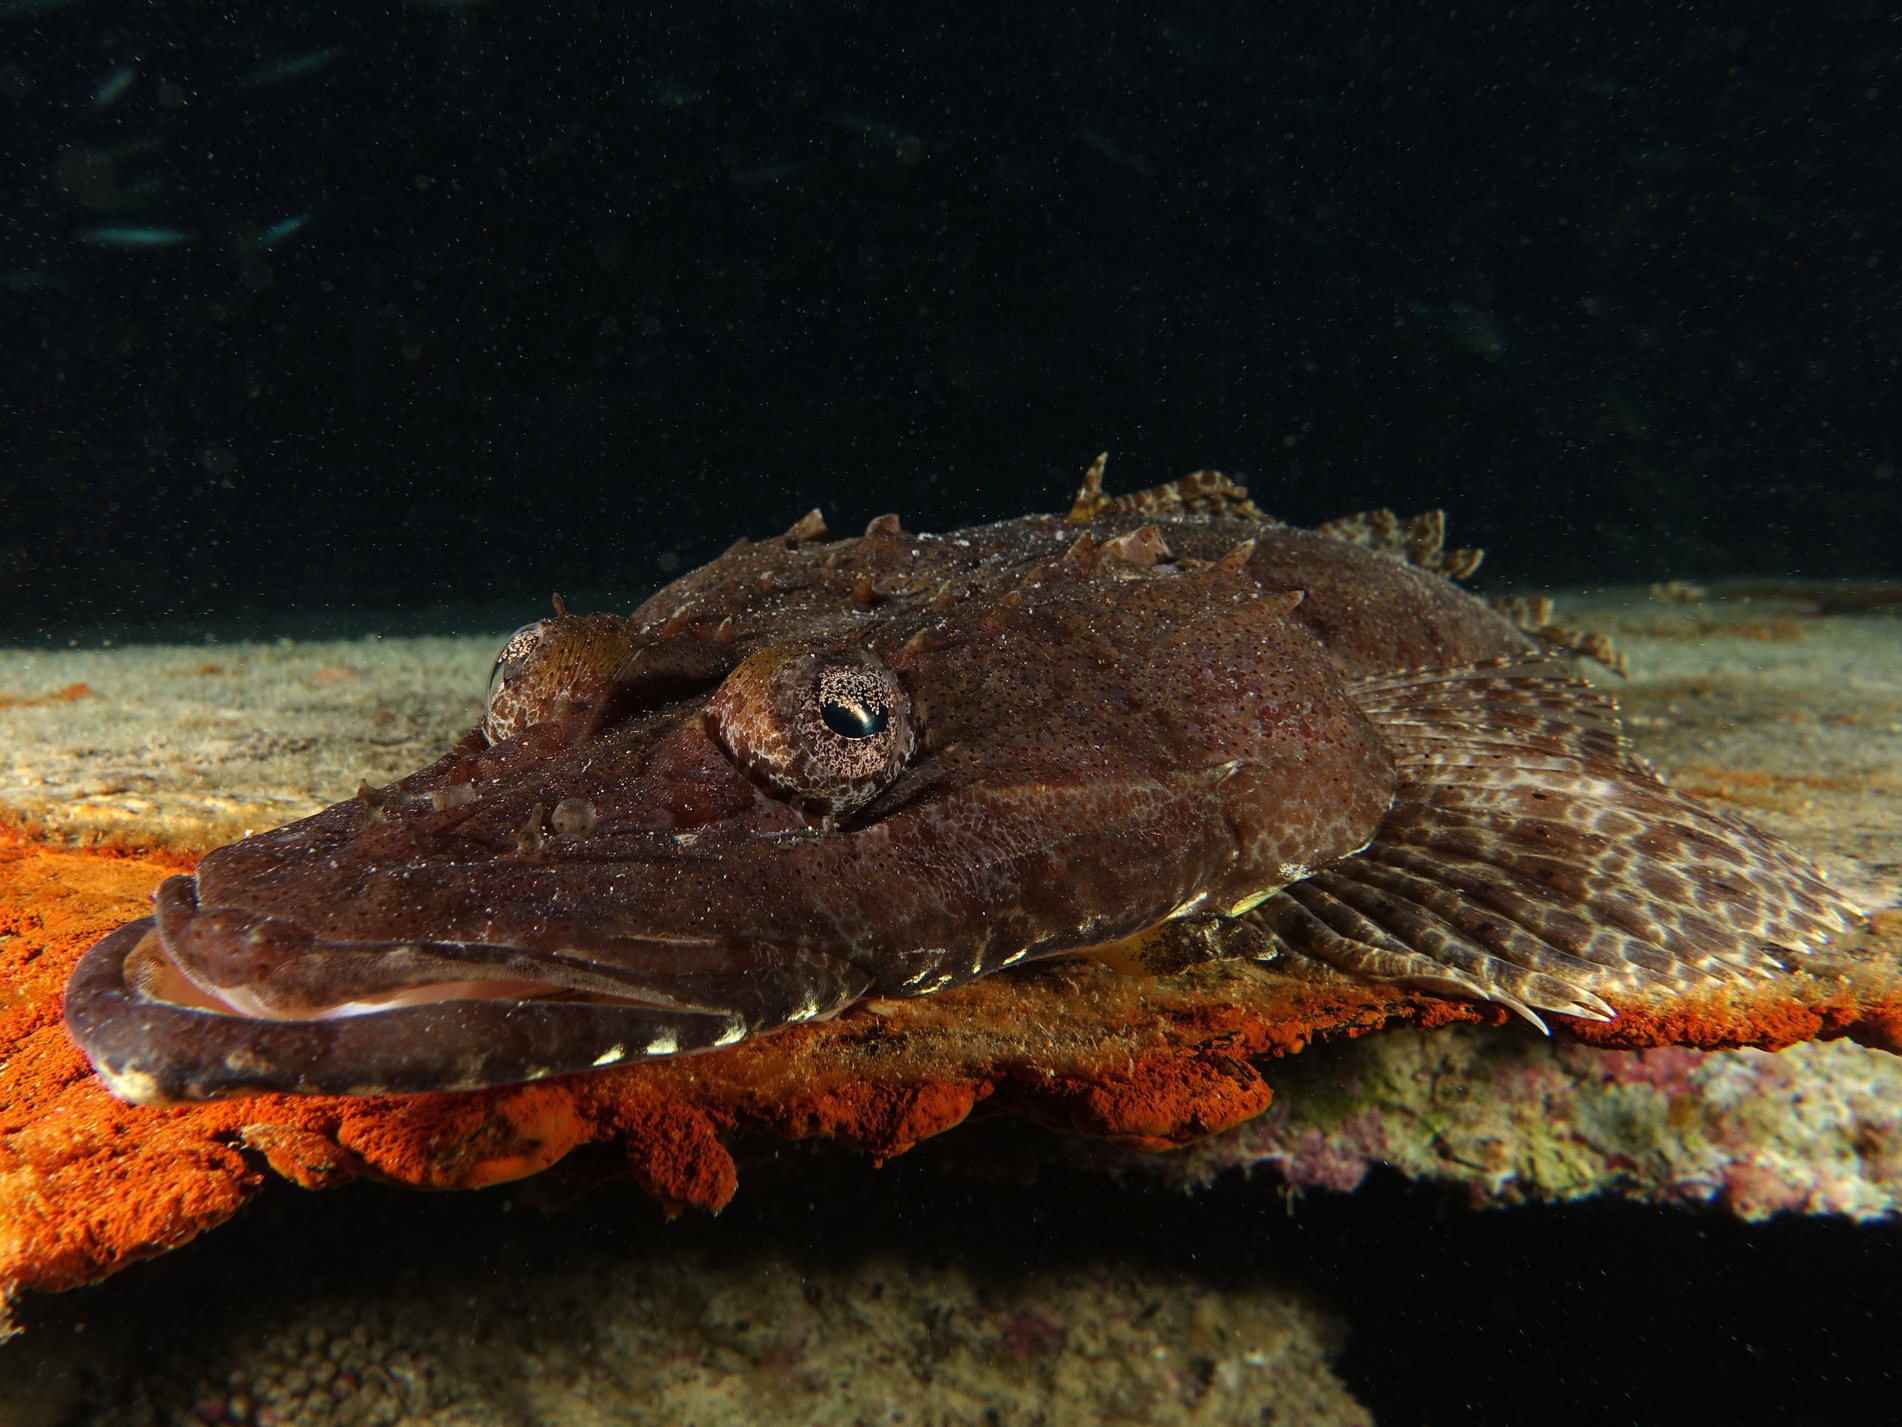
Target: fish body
288	67
112	88
135	239
281	230
1160	730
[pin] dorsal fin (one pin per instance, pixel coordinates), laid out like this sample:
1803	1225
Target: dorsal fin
1419	539
810	526
1199	493
1534	616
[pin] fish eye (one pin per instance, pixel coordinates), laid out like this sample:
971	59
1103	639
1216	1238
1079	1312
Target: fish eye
497	717
825	729
519	646
851	715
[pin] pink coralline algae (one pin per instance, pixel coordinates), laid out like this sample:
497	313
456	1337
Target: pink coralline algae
1812	1129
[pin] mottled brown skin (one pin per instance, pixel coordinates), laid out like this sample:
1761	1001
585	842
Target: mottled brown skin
1119	724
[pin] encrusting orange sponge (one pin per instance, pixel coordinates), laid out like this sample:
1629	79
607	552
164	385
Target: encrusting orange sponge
89	1184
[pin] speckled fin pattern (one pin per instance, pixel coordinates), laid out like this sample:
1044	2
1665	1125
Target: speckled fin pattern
1419	539
1532	859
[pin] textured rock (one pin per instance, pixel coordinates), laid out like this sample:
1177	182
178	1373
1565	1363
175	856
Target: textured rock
671	1336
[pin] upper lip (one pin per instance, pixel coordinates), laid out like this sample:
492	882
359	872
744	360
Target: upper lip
263	965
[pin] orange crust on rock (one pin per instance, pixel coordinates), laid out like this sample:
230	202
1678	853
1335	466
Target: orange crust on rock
89	1184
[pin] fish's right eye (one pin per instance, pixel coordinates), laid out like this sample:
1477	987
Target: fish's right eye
554	669
509	662
514	701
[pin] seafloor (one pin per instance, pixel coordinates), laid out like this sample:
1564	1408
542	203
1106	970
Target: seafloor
1783	703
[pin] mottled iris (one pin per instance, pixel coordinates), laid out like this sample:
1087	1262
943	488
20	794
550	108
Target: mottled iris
826	729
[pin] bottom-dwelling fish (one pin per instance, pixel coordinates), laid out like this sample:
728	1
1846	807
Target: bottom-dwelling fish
1164	729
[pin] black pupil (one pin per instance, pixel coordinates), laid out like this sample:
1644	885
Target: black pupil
852	718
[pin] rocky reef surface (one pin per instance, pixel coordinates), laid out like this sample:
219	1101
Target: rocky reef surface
1783	703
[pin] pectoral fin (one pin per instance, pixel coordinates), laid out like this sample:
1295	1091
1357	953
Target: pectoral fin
1532	859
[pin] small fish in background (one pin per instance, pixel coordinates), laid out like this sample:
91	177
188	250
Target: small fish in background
279	71
904	145
280	231
110	90
1103	144
671	94
133	239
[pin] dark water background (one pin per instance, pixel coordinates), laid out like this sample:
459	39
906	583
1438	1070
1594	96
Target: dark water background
576	293
308	309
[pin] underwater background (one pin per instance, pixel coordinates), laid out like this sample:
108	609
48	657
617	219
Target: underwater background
317	307
316	320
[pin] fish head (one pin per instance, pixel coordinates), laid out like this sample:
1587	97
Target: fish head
710	833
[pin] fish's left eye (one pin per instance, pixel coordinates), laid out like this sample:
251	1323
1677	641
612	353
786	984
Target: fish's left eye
826	729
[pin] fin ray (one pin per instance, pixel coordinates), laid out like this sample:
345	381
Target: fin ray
1533	859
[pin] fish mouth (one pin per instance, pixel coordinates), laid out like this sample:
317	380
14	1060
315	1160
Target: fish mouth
196	1004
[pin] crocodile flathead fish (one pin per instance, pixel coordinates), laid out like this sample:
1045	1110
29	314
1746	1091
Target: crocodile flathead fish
1160	729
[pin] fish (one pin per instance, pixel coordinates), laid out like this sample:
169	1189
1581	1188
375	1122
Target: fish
278	71
133	238
113	87
1160	730
282	229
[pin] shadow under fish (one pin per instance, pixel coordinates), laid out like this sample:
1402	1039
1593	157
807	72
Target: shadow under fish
1161	731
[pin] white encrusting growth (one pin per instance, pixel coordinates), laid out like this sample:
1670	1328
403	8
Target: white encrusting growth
1252	900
